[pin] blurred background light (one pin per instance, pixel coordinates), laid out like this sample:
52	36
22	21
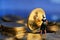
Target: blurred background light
24	7
54	17
55	1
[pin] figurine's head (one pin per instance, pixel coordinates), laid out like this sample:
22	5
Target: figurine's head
43	16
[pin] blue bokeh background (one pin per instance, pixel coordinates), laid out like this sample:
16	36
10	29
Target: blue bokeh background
24	7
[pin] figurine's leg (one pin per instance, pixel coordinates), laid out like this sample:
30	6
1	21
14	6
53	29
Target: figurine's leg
45	32
41	32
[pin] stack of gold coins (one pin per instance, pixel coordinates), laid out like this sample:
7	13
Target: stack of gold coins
20	35
20	21
53	28
17	30
20	32
20	29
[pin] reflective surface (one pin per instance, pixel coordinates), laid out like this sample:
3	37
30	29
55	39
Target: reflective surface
28	35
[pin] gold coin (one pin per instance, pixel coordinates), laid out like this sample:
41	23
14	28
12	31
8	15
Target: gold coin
31	19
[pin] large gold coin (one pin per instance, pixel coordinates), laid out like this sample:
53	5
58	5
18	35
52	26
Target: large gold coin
31	18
